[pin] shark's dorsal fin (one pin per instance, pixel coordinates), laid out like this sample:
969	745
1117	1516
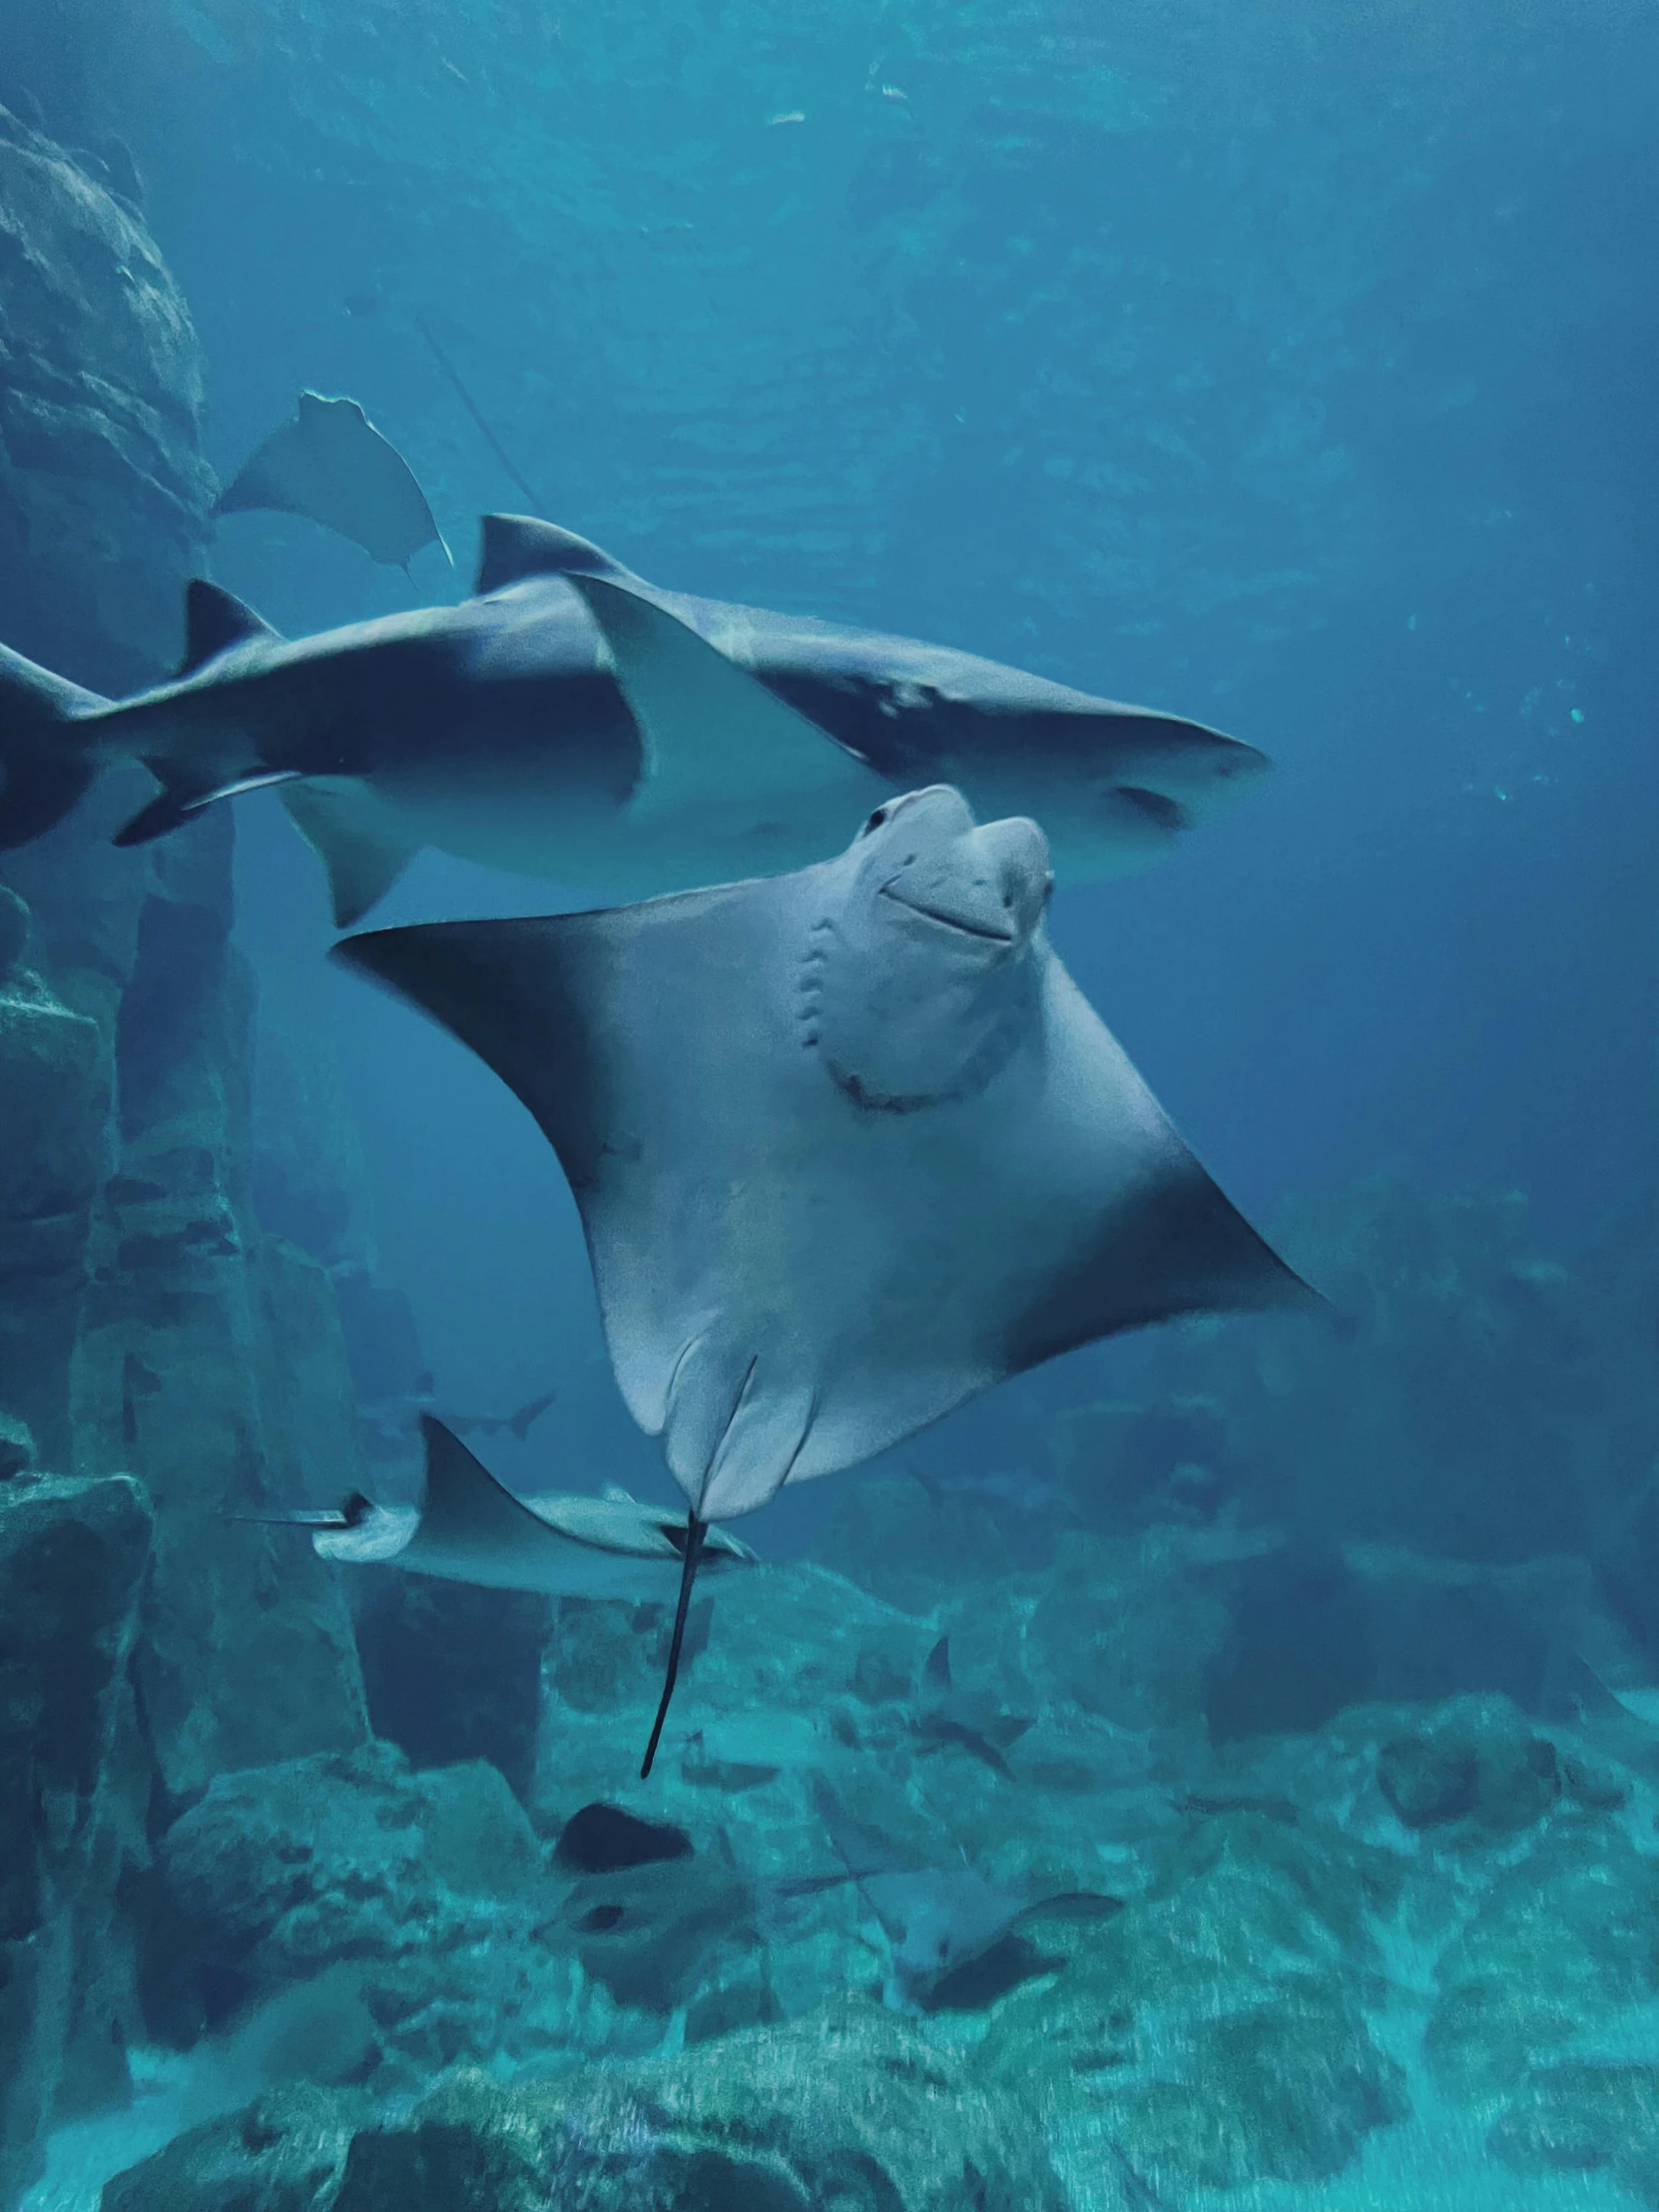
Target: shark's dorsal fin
215	620
517	546
937	1671
615	1494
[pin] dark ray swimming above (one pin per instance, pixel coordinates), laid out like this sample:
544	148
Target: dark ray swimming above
471	1528
498	730
333	466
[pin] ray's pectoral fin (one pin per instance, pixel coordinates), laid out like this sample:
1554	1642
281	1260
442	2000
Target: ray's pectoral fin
1180	1247
348	833
712	732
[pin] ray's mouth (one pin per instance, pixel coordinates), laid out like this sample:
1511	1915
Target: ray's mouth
946	921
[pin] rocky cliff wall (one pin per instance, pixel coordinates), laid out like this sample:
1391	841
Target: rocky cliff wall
166	1360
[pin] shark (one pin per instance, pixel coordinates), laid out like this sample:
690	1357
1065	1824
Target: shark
498	730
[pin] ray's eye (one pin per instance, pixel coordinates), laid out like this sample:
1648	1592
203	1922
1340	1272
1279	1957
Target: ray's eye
876	820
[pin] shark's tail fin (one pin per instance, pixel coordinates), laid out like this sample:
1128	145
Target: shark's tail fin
45	763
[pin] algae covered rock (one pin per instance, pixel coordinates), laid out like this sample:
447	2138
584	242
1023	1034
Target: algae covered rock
1477	1760
285	2153
284	1869
850	2109
1216	2028
1584	2119
1564	1941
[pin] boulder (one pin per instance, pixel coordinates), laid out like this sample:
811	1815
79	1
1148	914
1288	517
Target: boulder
452	1673
429	1886
283	1870
852	2109
285	2153
1475	1760
56	1080
1215	2030
72	1800
1589	2119
1563	1942
911	1545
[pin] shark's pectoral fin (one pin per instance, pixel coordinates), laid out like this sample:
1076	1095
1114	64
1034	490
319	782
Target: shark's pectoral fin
715	737
350	834
178	803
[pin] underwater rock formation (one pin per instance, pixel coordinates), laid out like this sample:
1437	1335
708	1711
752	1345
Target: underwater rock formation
1561	1947
148	1327
852	2109
453	1673
430	1887
73	1789
103	488
1217	2026
55	1095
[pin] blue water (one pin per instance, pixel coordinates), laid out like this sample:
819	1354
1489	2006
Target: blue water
1287	365
1284	370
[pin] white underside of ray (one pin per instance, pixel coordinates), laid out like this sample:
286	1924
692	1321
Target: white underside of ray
791	1283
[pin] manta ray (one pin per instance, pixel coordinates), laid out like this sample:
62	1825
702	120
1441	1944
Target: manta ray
849	1146
498	729
471	1528
331	465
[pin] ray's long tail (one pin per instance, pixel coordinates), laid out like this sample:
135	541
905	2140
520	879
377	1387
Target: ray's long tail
46	762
